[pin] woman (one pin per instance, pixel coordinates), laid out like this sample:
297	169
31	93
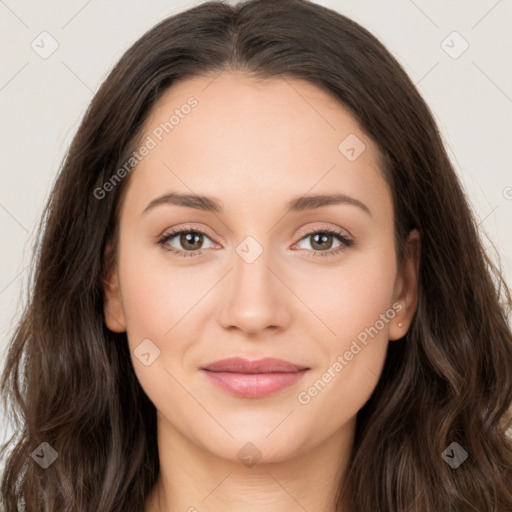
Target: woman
185	349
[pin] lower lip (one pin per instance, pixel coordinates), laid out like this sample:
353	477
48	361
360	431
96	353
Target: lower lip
253	385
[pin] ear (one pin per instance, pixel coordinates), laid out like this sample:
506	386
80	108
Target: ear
113	306
406	287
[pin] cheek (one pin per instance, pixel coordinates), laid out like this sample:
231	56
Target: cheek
350	367
148	303
159	303
158	293
357	306
349	296
364	318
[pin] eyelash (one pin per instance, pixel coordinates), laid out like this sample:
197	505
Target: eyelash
345	242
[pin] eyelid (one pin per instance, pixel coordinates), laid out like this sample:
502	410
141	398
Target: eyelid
187	227
329	229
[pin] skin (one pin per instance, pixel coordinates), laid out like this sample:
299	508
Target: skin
255	145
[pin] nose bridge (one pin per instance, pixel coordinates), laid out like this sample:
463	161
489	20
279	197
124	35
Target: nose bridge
255	298
253	281
251	264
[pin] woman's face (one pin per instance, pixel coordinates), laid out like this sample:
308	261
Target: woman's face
261	275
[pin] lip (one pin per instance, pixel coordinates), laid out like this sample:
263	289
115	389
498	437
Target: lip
253	379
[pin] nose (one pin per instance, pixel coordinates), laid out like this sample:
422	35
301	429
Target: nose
256	299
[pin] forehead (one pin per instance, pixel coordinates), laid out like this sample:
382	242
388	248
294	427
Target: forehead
245	138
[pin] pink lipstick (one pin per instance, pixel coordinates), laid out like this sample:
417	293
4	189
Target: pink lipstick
253	379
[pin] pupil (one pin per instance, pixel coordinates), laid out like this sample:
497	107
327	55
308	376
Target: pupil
187	239
323	238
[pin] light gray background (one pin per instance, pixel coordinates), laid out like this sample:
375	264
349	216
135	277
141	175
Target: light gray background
42	100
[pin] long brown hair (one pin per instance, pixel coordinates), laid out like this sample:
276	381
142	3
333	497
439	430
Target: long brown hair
69	381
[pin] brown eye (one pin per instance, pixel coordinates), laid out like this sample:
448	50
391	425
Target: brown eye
189	242
321	242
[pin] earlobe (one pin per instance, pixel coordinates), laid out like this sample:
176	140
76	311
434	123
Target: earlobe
407	293
112	304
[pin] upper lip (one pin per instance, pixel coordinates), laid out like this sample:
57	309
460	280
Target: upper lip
240	365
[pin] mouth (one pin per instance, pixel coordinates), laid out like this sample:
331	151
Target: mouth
253	379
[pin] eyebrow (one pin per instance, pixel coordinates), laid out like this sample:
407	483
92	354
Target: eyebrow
213	204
